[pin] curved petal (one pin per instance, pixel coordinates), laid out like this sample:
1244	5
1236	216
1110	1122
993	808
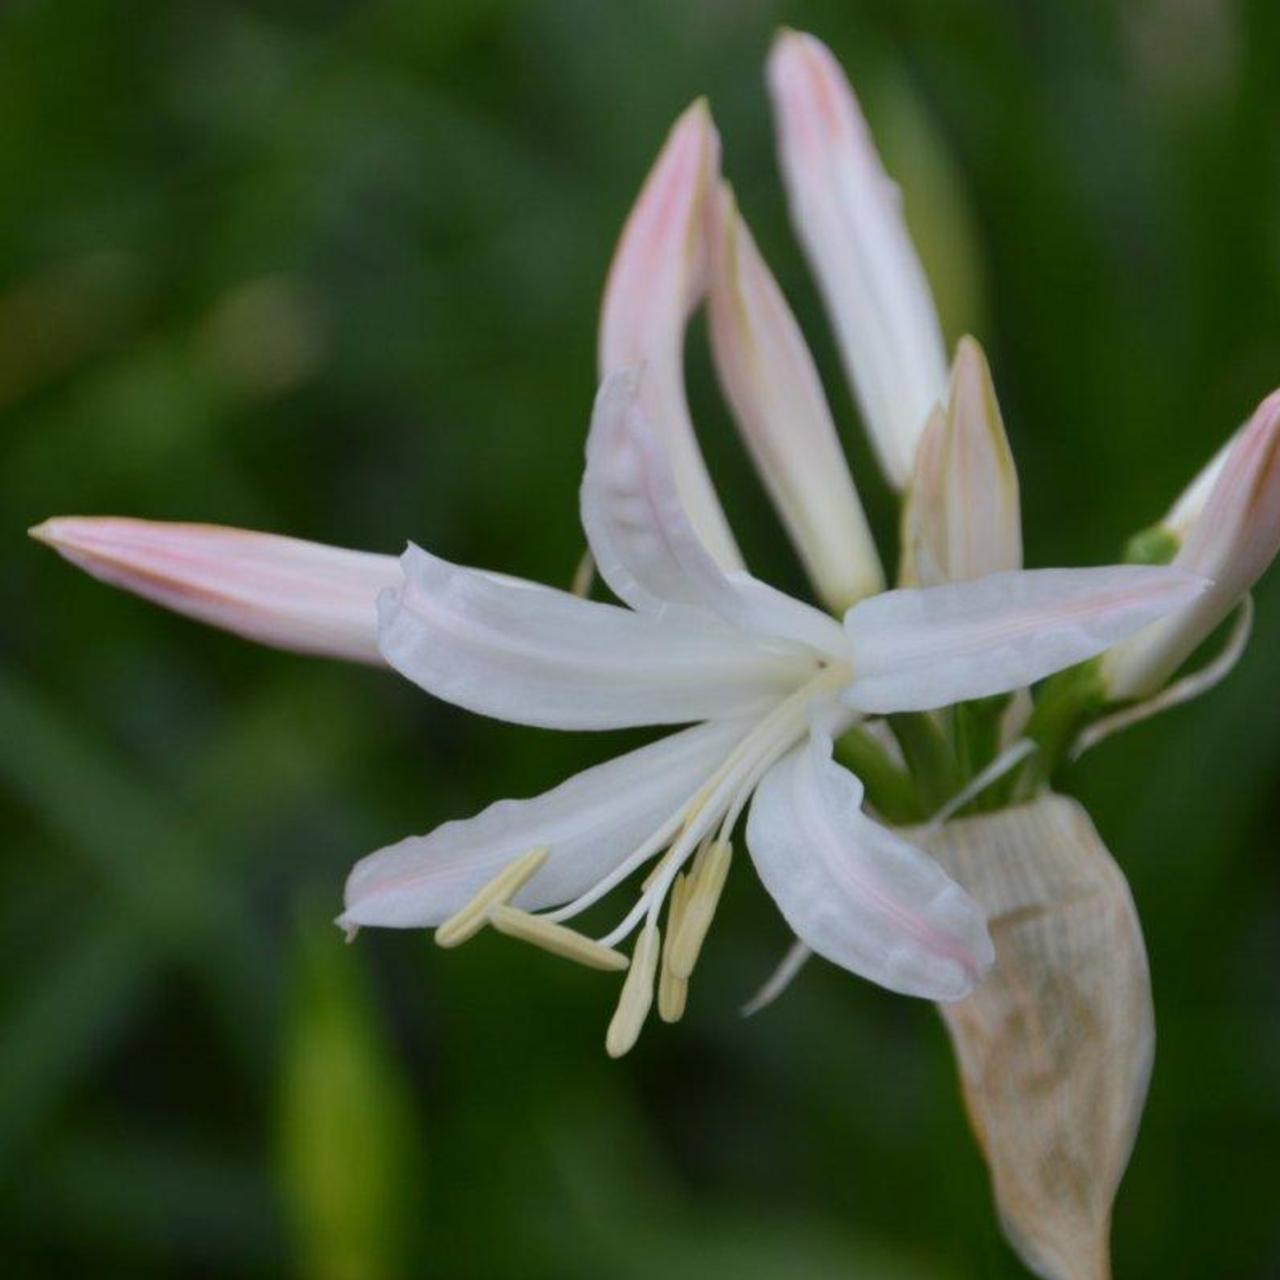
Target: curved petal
279	591
644	545
589	824
918	649
532	655
657	275
849	217
776	395
855	892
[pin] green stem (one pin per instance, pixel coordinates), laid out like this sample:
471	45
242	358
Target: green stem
889	789
929	757
1067	703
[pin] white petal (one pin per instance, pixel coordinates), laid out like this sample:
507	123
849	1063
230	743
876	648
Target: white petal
657	276
589	824
645	546
532	655
849	217
854	891
772	385
279	591
918	649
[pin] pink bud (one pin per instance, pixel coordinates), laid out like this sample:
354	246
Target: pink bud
1231	542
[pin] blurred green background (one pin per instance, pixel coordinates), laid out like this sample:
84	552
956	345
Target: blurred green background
332	269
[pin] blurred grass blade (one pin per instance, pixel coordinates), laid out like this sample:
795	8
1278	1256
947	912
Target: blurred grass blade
143	854
57	1028
345	1121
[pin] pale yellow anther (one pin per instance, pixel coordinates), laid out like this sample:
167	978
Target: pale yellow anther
673	995
502	888
637	993
555	938
673	992
584	575
703	895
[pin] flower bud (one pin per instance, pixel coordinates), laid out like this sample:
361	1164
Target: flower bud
1230	539
848	215
776	396
962	518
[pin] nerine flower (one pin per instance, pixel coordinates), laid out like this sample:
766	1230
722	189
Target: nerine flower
766	681
773	679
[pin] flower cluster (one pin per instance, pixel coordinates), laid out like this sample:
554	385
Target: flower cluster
829	729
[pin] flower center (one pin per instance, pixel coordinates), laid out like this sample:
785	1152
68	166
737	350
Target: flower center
696	836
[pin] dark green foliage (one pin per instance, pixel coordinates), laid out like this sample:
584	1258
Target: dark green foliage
332	269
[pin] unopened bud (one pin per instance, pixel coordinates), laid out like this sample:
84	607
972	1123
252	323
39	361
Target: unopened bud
1231	533
962	518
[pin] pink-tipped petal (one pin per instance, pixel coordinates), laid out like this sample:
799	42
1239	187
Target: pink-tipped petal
848	215
657	277
915	650
278	591
773	388
1232	541
855	892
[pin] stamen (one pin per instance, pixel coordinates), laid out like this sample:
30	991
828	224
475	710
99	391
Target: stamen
637	993
699	908
727	789
637	858
502	888
555	938
766	743
796	958
673	992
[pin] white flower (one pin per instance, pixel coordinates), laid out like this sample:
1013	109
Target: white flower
766	681
770	678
